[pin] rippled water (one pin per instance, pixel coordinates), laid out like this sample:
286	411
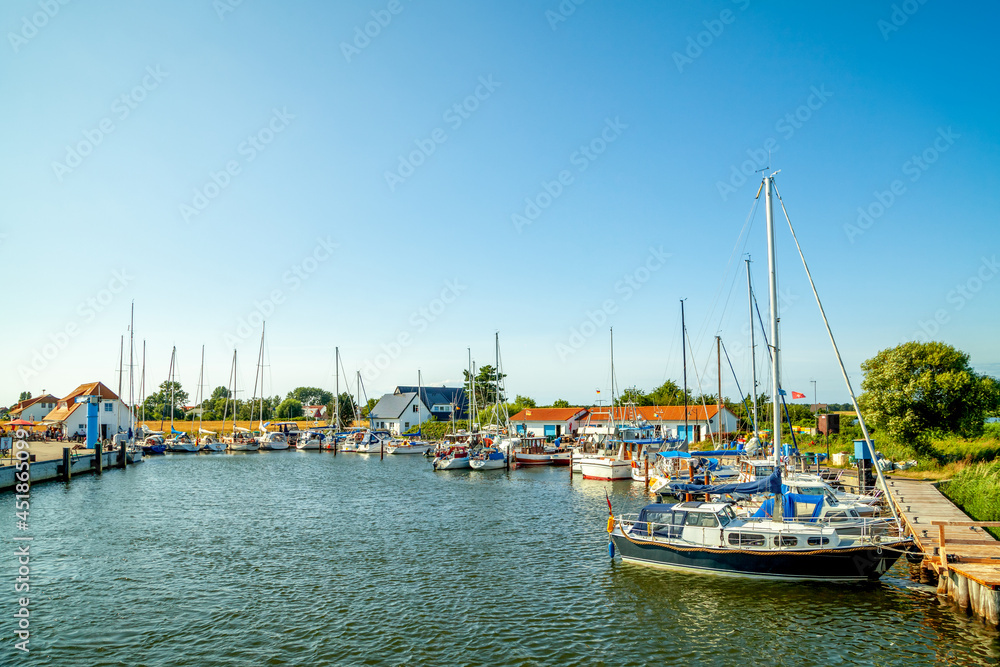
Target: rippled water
301	558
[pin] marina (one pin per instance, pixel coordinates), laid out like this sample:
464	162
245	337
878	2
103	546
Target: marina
292	558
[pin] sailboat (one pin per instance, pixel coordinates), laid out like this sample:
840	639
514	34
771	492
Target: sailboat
241	440
269	440
494	455
618	466
458	448
180	441
209	443
709	536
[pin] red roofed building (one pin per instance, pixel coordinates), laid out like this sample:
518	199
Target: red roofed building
702	420
33	409
549	421
72	416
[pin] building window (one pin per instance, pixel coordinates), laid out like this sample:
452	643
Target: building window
108	407
406	424
416	408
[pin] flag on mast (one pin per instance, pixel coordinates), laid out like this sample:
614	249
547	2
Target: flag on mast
797	394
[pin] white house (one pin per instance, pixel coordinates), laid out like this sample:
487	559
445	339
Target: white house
314	411
398	412
34	409
71	416
549	421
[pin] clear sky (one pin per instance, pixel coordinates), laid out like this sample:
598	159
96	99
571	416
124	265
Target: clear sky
406	178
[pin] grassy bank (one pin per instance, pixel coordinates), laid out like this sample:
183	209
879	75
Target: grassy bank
976	490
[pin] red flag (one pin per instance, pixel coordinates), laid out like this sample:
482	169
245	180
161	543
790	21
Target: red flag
606	497
796	394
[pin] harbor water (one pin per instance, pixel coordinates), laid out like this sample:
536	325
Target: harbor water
303	558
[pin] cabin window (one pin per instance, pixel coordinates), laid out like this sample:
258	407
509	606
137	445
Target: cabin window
818	541
837	517
702	519
679	518
746	539
786	541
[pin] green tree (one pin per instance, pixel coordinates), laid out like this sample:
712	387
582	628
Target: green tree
311	395
668	393
25	395
560	403
158	404
915	388
348	409
289	409
633	395
369	406
522	403
487	387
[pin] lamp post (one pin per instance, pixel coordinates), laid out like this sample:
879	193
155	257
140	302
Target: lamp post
815	402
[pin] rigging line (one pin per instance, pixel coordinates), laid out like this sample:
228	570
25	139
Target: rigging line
702	396
743	398
770	357
736	274
744	236
836	350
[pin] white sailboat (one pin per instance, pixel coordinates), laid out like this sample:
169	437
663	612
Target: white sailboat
494	455
271	441
209	443
616	466
241	440
179	441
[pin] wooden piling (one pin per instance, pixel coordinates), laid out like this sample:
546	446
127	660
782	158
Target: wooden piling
646	473
121	456
67	473
98	459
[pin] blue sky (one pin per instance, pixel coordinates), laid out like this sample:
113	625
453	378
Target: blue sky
468	168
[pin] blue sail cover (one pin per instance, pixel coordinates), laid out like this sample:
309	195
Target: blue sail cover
792	507
770	484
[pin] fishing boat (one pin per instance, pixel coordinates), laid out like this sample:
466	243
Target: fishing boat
707	536
531	451
373	442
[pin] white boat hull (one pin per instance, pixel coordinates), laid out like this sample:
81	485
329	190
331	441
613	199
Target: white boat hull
487	464
311	444
533	459
408	449
453	464
605	469
188	447
244	447
213	447
274	446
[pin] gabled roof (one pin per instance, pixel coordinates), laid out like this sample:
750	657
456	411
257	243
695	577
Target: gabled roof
65	407
548	414
27	403
438	396
391	406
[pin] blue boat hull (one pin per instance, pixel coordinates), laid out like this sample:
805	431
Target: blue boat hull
859	564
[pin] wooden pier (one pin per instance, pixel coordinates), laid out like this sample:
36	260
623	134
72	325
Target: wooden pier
958	552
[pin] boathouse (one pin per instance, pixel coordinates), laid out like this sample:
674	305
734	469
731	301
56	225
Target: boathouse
702	421
549	422
71	416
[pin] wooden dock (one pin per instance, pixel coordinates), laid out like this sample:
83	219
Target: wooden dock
958	552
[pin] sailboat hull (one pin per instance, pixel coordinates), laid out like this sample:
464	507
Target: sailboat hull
855	565
605	469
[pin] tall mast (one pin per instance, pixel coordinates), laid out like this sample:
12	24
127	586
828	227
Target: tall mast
201	389
142	383
684	356
173	354
131	380
612	416
260	368
472	393
718	415
121	371
336	386
773	297
753	350
420	413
